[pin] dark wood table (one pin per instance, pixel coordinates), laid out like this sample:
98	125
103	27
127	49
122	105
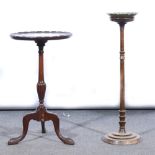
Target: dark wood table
41	114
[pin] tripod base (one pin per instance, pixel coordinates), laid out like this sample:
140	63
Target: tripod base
121	138
41	115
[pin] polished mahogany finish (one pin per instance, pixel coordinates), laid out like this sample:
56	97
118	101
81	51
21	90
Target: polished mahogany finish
122	137
122	19
41	113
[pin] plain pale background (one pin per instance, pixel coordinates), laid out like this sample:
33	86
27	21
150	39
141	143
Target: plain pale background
82	71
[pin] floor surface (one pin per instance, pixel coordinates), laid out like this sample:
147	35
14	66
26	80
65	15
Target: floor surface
86	127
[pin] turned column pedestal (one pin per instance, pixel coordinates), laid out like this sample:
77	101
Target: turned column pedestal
122	136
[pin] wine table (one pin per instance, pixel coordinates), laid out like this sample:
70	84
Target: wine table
41	114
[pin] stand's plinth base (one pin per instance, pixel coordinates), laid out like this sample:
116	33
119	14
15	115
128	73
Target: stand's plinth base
122	138
41	115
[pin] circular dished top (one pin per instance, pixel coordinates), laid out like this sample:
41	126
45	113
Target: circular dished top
41	35
122	16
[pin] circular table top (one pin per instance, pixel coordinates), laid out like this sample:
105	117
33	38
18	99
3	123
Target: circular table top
41	35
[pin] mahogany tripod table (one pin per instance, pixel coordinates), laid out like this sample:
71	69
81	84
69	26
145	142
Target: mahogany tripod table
41	114
122	137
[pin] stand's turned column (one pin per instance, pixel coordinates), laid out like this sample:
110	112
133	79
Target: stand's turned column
122	137
122	81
